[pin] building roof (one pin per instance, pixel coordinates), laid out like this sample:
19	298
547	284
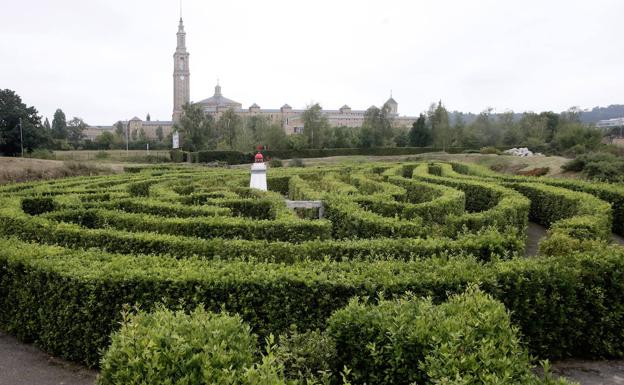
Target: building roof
218	100
391	101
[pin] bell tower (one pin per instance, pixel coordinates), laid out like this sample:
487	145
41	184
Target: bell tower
181	74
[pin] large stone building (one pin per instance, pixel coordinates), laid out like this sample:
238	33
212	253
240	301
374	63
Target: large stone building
289	118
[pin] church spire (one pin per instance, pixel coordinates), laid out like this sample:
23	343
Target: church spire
181	37
181	73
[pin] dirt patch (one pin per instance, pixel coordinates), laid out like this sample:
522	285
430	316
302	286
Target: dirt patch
25	169
24	364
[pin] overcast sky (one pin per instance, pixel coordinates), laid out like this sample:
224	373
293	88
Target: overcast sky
106	60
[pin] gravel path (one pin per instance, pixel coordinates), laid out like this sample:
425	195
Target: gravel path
25	364
591	372
535	233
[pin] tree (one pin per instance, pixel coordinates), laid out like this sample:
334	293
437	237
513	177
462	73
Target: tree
148	117
229	129
105	140
59	125
419	135
342	137
46	125
75	129
266	133
34	135
377	127
440	129
142	136
400	140
315	126
197	128
159	133
120	130
552	123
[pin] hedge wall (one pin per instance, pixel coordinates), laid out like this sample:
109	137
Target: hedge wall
236	157
564	306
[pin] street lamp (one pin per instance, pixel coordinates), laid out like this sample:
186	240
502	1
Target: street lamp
21	137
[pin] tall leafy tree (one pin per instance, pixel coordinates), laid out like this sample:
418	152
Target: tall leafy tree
419	135
46	125
196	128
159	133
120	130
315	126
377	127
440	128
75	131
59	125
11	110
229	129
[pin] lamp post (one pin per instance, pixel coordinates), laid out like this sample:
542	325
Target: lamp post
21	137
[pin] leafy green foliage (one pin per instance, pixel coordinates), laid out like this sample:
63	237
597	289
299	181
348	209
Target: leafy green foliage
467	340
177	348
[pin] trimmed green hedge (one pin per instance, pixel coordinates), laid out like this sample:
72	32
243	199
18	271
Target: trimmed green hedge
38	205
236	157
564	306
485	245
612	193
291	230
487	204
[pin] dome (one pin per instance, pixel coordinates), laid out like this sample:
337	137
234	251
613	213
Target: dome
218	100
392	101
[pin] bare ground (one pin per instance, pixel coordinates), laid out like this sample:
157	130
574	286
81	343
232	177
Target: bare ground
25	364
26	169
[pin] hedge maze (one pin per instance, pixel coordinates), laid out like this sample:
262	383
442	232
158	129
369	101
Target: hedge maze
76	254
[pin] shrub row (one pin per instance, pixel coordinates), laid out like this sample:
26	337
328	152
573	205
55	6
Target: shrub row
612	193
484	245
468	339
236	157
290	230
68	301
487	204
349	220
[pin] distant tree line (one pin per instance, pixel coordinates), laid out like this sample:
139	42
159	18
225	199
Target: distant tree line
546	131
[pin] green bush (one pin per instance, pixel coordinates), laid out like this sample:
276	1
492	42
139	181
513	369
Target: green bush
40	153
230	157
38	205
307	356
165	347
275	162
101	155
490	150
178	156
140	189
467	340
